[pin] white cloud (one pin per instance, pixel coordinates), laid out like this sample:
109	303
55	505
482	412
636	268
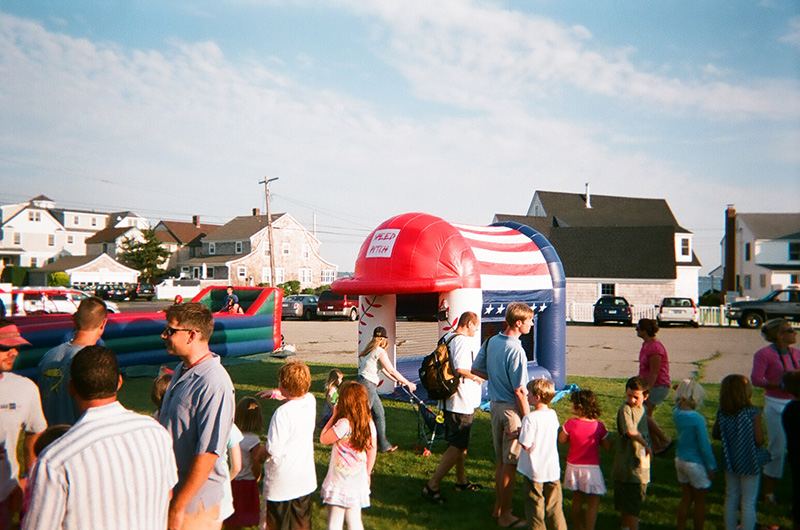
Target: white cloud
792	36
477	55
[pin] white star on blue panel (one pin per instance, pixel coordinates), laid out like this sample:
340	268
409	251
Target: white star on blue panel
500	309
489	309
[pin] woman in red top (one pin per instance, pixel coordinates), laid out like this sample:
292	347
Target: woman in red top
769	365
654	368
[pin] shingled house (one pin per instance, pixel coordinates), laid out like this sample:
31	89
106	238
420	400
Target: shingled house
622	246
182	239
238	253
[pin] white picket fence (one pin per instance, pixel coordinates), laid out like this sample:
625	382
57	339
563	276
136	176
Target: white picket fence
584	312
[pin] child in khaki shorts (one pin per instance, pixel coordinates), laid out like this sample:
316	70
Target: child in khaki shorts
632	463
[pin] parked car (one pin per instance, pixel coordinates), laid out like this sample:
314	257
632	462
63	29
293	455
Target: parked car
674	310
50	300
111	291
332	304
783	303
300	306
141	290
612	309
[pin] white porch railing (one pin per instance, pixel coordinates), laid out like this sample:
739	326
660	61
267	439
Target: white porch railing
708	316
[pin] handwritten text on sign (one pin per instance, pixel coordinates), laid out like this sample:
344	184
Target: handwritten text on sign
382	243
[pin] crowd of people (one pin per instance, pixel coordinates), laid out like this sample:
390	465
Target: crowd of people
88	462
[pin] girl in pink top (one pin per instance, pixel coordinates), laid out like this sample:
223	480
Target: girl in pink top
769	365
654	368
585	434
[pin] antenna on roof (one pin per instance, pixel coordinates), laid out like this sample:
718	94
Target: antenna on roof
588	197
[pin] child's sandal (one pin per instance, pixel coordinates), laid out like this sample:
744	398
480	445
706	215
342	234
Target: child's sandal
468	486
433	495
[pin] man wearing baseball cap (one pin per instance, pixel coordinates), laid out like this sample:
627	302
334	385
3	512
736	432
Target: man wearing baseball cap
20	408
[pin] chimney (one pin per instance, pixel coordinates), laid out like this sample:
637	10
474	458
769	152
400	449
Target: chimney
729	274
588	197
196	221
256	212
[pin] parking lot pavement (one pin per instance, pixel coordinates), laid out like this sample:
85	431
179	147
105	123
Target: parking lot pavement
598	351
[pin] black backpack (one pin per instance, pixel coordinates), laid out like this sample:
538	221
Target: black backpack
437	374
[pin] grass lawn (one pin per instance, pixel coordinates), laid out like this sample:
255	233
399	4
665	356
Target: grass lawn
400	476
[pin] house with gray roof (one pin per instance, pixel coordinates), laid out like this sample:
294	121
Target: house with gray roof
238	253
761	252
608	245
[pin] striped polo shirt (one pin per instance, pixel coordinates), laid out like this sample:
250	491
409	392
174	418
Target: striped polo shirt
113	469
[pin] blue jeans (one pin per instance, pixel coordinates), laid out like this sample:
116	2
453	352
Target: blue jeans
378	414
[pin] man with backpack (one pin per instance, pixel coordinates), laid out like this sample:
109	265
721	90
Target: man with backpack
459	408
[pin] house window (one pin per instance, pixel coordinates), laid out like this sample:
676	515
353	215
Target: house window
747	251
196	272
238	247
328	275
94	221
305	275
70	239
17	238
794	278
746	282
35	216
186	271
306	251
286	248
212	248
75	220
279	276
762	280
33	262
209	272
794	251
265	275
241	271
608	289
266	248
685	246
51	240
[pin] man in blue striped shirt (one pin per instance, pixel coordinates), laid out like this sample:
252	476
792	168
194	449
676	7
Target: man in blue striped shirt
113	469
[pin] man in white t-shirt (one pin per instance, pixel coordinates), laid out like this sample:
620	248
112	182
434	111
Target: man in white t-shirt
20	410
459	408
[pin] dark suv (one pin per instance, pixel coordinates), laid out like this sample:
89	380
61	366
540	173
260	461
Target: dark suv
783	303
332	304
612	309
141	290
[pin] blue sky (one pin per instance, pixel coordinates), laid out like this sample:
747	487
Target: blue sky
365	110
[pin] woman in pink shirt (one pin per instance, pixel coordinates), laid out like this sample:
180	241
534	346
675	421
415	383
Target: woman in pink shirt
769	365
654	368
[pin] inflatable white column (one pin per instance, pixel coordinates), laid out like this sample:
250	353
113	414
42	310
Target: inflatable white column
455	303
379	310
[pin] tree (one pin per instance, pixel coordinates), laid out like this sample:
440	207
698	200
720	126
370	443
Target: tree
58	279
146	255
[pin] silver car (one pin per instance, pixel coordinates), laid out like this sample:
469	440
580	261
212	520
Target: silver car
674	310
300	306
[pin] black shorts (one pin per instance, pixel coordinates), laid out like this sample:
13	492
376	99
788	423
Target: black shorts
294	514
457	428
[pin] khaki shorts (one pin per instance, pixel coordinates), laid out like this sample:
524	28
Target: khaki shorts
505	418
629	497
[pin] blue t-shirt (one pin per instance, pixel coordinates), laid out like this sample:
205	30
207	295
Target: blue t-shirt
693	443
58	405
503	358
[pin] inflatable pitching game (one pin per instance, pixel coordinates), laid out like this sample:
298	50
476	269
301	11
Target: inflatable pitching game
468	268
136	337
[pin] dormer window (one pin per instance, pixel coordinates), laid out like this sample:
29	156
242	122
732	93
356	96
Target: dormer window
685	247
212	248
238	247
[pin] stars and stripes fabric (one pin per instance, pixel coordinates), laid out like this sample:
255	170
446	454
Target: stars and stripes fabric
511	267
113	469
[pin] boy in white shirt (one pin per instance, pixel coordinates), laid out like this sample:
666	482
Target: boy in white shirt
289	473
538	462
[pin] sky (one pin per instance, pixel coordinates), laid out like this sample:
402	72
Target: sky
365	109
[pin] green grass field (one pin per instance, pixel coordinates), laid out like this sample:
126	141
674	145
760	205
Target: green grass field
400	476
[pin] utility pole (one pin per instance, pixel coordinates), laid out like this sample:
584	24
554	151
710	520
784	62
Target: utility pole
266	182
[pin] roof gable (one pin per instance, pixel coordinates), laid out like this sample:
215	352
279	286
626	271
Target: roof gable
109	235
569	209
240	228
771	225
182	232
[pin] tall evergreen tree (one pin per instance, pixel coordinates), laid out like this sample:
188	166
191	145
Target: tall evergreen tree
145	256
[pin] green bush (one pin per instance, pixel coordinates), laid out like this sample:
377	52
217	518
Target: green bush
15	275
58	279
321	288
291	287
309	290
